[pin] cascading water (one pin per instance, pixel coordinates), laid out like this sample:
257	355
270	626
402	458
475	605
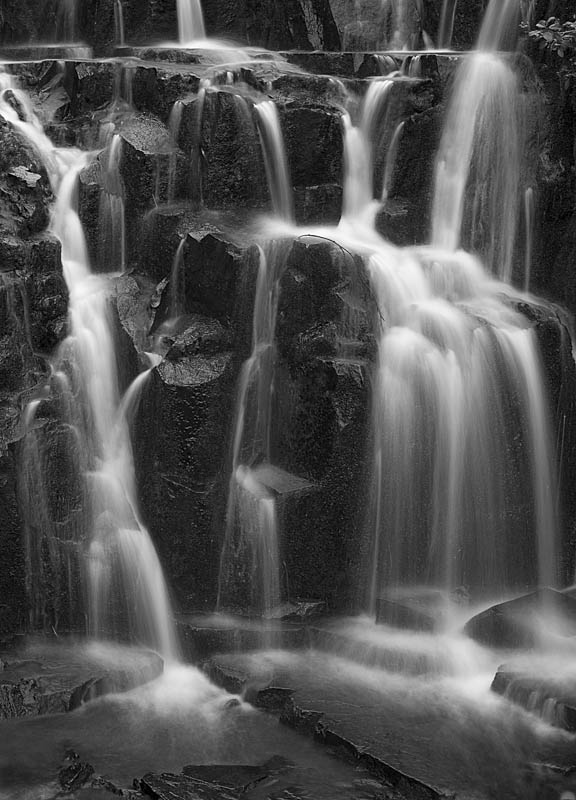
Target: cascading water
190	22
251	523
251	519
482	146
112	252
124	576
446	27
67	21
463	470
275	159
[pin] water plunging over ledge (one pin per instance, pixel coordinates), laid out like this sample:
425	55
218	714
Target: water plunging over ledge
124	579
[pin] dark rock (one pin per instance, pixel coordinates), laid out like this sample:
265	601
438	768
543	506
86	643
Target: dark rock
156	89
272	698
182	787
181	444
296	612
43	680
241	777
232	165
316	205
417	612
290	25
202	637
74	773
233	680
12	574
545	697
513	624
26	192
203	336
313	137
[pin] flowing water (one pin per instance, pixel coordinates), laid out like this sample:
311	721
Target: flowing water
124	579
190	21
251	539
446	27
462	479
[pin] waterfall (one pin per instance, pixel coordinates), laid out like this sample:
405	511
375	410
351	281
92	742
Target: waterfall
119	22
275	160
446	27
463	477
124	578
358	202
112	226
251	538
67	21
482	147
190	21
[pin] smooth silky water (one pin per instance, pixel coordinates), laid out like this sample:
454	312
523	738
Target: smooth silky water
452	355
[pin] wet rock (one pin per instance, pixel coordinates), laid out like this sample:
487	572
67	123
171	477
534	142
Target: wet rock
47	294
91	85
232	166
232	679
296	612
513	624
418	612
181	444
12	575
55	681
552	700
320	63
313	137
405	216
202	637
203	336
26	192
134	305
183	787
300	24
155	89
239	777
272	698
74	773
317	205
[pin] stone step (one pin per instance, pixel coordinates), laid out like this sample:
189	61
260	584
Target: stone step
516	623
552	700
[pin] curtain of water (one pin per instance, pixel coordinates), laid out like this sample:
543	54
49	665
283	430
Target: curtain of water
190	21
111	220
124	576
67	21
479	164
275	159
251	539
446	28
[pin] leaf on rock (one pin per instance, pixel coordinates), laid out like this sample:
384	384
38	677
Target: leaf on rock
24	174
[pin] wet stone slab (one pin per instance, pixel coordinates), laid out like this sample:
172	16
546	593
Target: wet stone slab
422	736
40	677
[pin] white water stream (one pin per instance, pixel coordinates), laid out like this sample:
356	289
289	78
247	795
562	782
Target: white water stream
125	582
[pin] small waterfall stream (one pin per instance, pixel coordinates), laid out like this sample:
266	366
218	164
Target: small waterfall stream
190	21
124	577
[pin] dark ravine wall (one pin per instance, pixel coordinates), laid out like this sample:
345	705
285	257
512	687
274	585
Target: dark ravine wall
182	429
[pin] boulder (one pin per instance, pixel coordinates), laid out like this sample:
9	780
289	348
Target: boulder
419	612
552	700
513	624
